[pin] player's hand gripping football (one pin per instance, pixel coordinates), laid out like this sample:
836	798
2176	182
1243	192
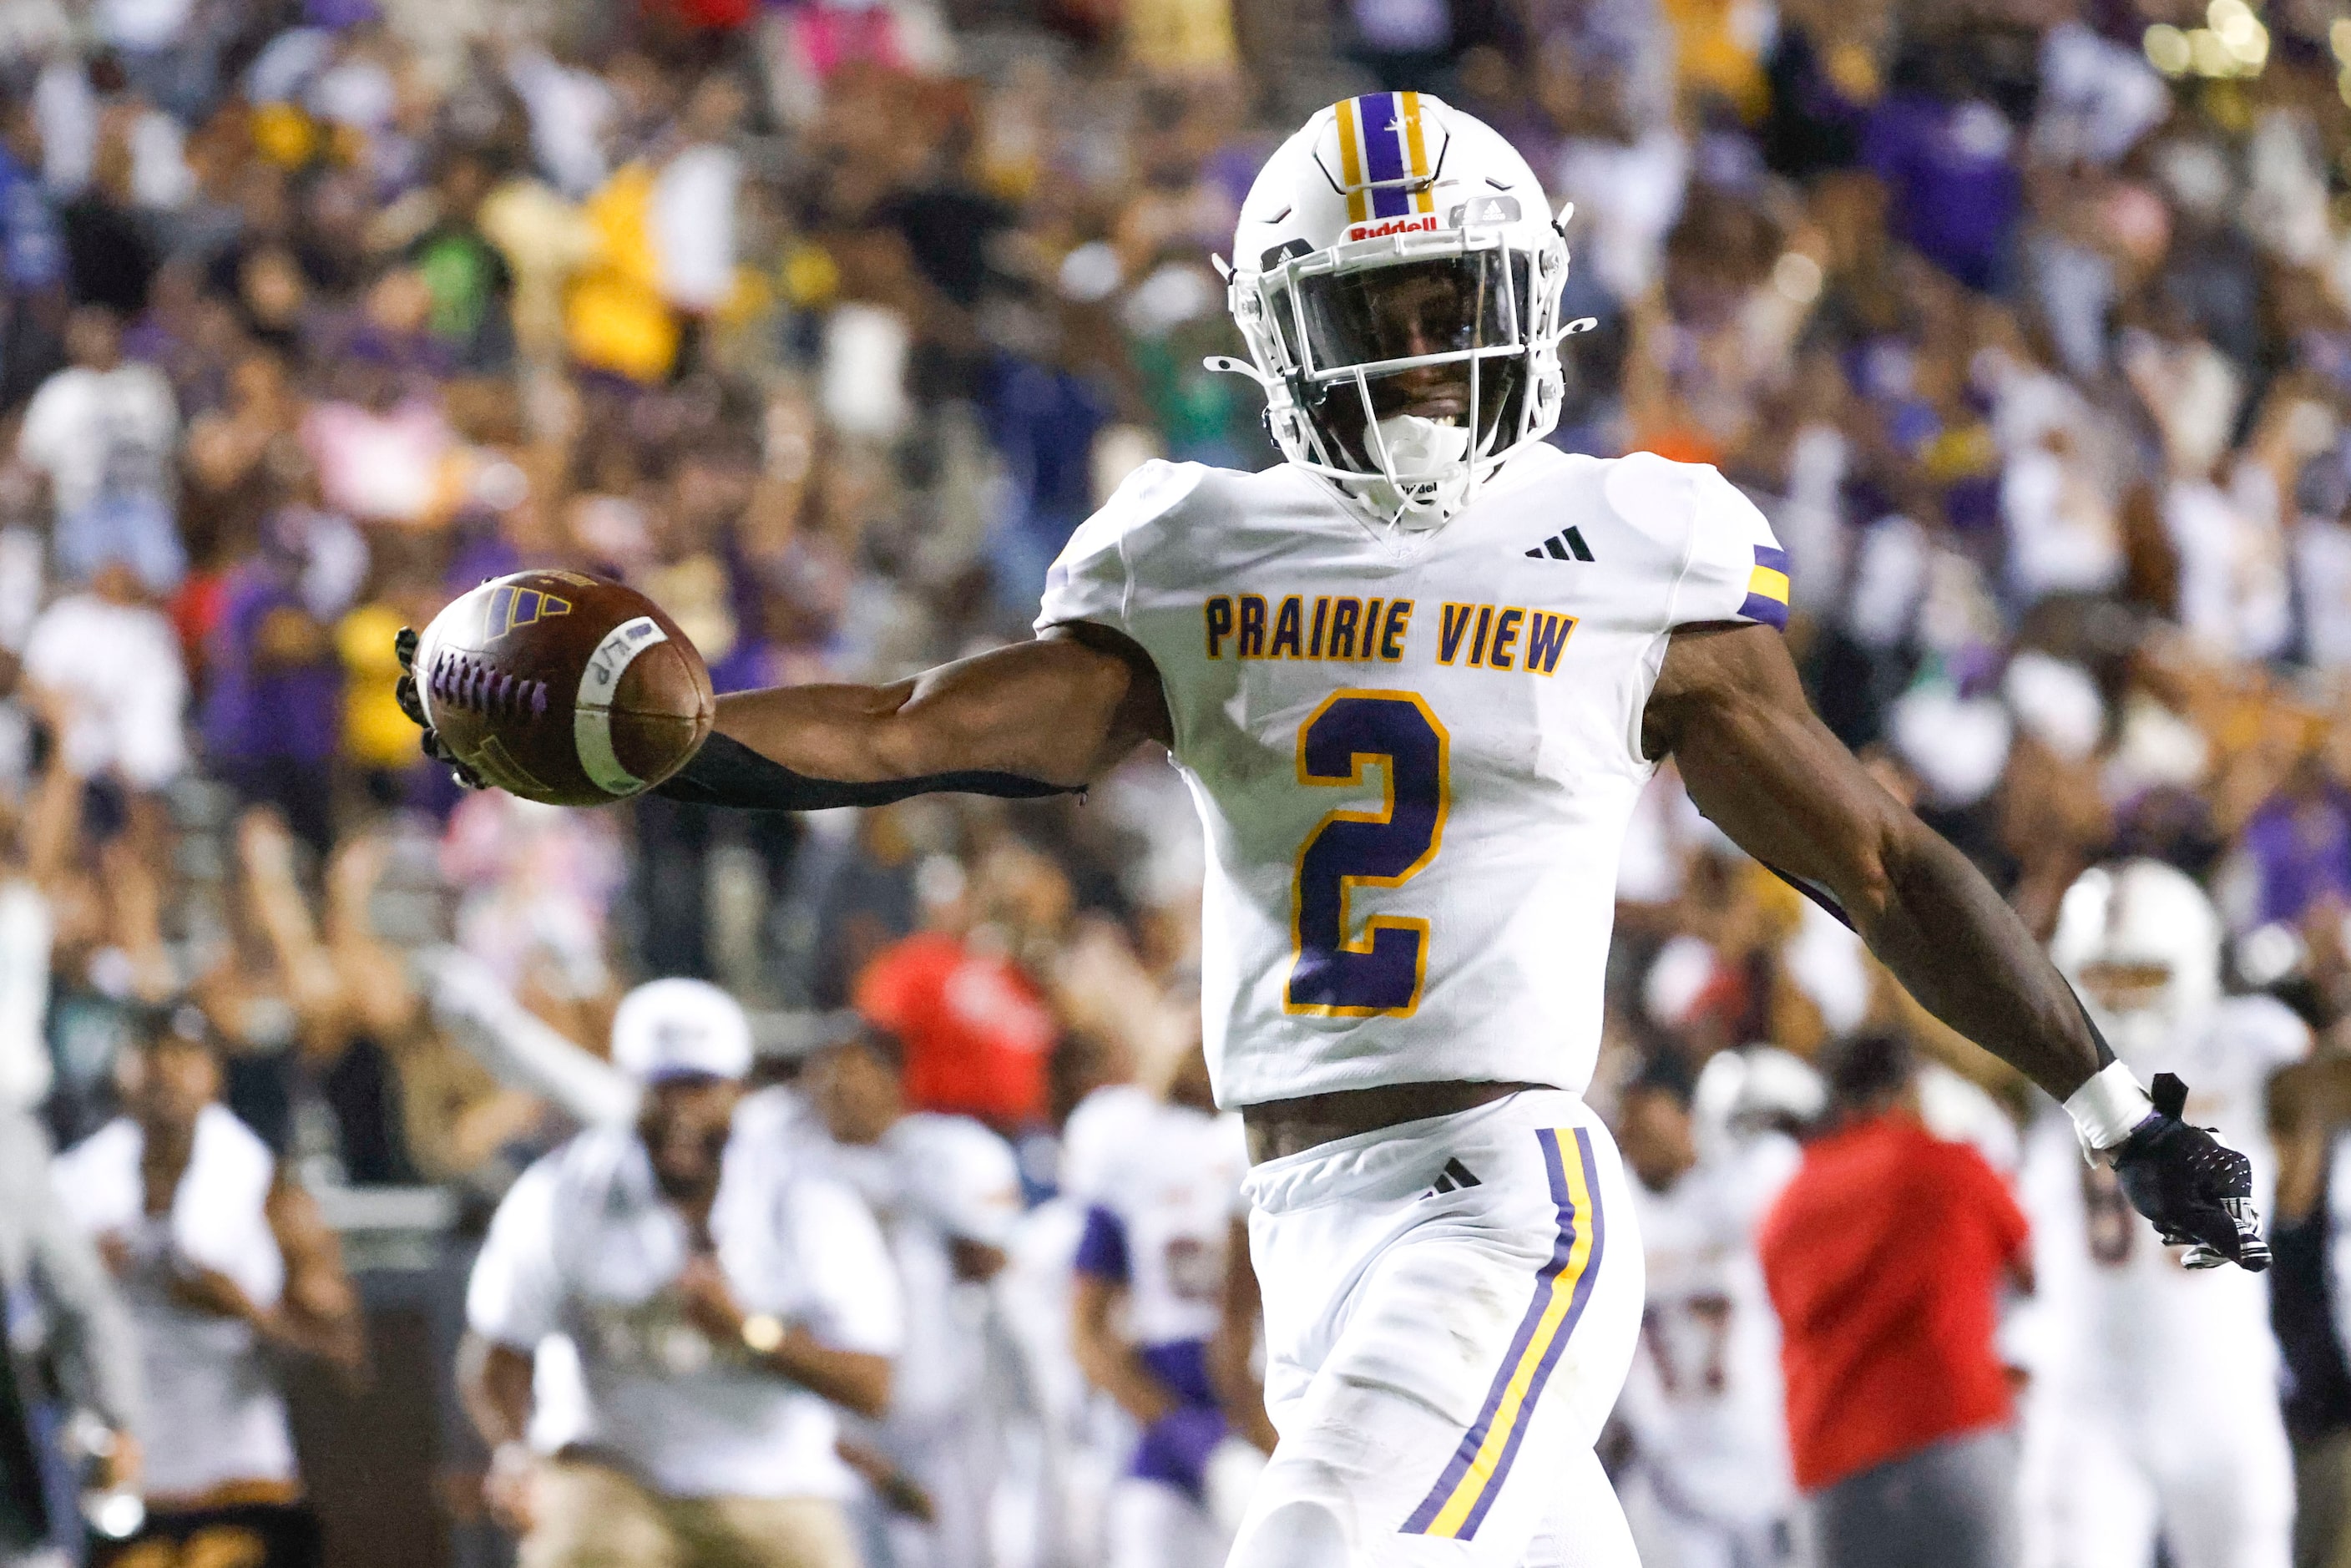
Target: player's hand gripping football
2198	1191
558	688
403	647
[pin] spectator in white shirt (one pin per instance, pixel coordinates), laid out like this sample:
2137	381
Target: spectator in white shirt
112	655
693	215
101	432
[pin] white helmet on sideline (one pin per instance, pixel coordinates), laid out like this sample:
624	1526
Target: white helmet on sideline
1391	237
2141	943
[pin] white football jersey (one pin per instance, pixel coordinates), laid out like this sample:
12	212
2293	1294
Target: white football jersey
932	1180
1703	1400
1168	1193
1414	753
2116	1319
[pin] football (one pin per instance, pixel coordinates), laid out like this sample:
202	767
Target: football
564	688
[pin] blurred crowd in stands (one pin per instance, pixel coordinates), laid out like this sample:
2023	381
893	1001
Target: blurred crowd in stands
823	322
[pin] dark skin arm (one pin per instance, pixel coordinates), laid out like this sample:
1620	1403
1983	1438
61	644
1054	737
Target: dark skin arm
494	1387
1728	710
319	1312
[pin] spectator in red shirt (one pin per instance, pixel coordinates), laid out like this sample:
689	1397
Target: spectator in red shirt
1884	1258
975	1029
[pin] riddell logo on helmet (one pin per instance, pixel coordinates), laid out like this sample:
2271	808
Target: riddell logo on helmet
1425	223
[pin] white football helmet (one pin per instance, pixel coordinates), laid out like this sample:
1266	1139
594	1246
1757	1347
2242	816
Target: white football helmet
1396	274
1762	1087
2141	943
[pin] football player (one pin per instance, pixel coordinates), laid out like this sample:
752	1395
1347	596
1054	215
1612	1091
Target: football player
1079	1444
2154	1407
1415	677
1703	1405
947	1193
1149	1303
223	1259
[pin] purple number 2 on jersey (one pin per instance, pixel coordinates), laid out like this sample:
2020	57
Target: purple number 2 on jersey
1383	971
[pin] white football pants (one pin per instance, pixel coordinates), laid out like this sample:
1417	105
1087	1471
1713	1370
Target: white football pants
1441	1353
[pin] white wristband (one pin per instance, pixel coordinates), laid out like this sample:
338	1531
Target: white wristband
2107	1108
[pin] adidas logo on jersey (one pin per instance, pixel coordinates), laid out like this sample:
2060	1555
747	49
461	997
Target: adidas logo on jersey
1454	1178
1567	544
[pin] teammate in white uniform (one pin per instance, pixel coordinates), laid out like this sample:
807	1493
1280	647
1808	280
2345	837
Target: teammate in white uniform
1148	1302
1080	1441
220	1260
720	1293
1713	1488
1415	677
2154	1406
947	1193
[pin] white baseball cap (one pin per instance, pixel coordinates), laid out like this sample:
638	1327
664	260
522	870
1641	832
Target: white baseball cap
681	1028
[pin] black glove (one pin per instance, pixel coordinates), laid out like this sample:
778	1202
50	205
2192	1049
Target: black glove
404	648
2198	1191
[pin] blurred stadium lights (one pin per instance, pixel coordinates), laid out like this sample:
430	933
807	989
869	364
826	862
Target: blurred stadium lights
2232	43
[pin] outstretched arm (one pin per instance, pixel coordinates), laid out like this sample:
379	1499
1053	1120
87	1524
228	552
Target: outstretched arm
1764	769
1041	717
1728	706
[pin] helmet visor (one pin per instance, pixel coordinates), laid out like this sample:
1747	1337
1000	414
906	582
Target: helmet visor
1448	307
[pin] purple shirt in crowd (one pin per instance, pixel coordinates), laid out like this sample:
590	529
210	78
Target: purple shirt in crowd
1951	177
250	714
2301	845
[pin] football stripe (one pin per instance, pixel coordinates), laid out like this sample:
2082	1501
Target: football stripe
591	712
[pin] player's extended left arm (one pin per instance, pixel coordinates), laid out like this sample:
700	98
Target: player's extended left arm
1041	717
1757	761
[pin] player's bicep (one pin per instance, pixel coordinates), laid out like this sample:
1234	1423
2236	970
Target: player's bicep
1762	766
1065	708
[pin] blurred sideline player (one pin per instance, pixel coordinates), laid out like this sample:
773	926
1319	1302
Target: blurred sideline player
1416	676
2154	1406
223	1259
1708	1485
1079	1443
947	1192
718	1292
1147	1309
